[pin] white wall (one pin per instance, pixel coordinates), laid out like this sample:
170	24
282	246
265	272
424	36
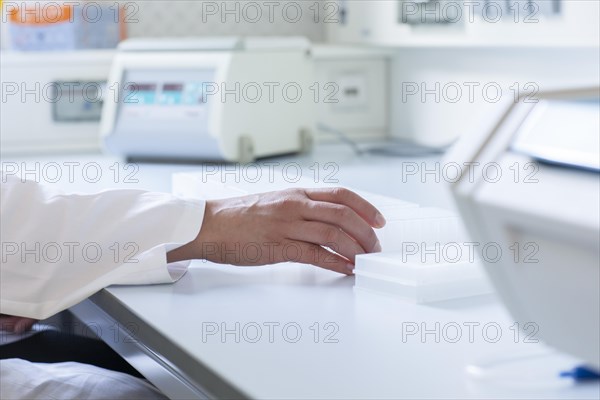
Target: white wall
444	71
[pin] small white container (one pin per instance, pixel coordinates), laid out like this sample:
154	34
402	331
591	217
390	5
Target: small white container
420	225
427	257
420	282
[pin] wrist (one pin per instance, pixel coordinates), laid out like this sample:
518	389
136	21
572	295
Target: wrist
194	249
207	231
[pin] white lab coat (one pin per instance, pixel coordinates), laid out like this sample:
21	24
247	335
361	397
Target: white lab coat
58	249
50	261
22	380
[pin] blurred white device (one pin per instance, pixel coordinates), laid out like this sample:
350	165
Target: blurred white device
354	91
544	213
226	99
52	101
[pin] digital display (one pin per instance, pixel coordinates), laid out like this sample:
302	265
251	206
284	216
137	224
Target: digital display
188	93
172	87
140	93
194	93
166	100
77	101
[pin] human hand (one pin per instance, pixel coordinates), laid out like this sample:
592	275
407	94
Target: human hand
10	323
291	225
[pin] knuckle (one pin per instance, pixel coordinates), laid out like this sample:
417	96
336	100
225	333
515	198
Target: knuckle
313	206
339	192
341	212
282	204
329	235
287	201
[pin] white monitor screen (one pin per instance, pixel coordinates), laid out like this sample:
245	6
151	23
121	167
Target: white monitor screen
563	132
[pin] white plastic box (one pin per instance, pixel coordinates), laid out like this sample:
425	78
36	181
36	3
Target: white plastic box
426	257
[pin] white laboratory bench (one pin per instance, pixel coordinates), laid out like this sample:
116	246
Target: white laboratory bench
298	332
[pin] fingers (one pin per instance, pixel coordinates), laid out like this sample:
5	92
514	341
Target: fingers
318	256
349	199
327	235
16	324
348	220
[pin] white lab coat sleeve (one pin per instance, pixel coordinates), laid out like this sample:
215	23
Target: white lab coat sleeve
58	249
24	380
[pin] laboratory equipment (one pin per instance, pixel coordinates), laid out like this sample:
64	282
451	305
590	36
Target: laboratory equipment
226	99
546	214
52	101
544	139
352	91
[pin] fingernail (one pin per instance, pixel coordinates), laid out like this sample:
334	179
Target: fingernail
350	268
377	247
379	220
